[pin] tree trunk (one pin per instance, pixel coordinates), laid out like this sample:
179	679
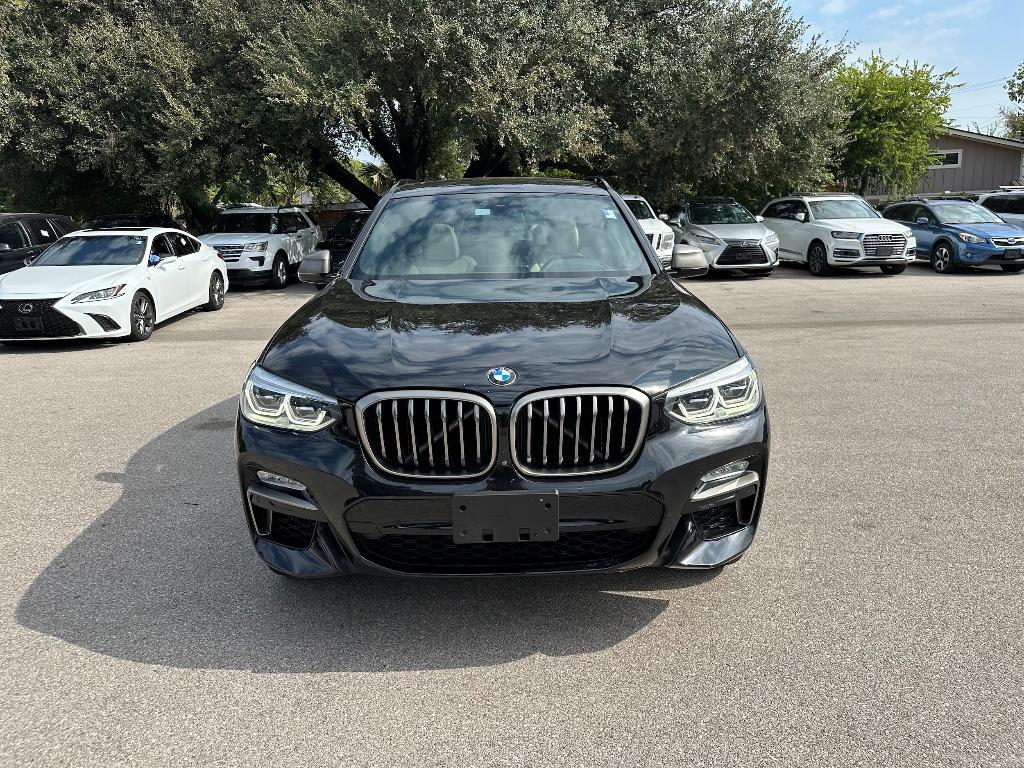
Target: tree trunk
329	165
493	158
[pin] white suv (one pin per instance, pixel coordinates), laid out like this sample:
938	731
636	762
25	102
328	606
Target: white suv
1008	204
263	244
661	235
838	230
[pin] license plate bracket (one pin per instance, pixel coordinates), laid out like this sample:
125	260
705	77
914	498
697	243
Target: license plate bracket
23	324
515	516
884	251
1011	254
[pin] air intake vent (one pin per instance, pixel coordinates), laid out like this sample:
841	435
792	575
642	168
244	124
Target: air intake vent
578	431
428	433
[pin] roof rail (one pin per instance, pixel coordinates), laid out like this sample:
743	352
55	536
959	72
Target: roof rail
600	181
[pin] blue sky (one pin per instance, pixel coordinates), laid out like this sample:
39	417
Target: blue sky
981	39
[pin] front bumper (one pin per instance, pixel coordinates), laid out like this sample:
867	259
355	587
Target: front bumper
58	318
987	254
353	519
851	253
741	256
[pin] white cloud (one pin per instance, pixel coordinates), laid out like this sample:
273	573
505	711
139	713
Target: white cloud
834	7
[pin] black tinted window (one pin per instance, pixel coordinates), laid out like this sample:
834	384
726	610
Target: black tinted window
995	204
1014	205
183	244
42	231
161	246
256	223
897	213
12	233
784	209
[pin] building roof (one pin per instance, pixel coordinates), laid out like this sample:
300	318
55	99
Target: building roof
983	138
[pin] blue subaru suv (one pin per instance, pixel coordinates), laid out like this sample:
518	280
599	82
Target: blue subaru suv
954	233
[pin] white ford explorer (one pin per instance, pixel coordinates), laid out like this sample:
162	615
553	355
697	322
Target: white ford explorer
263	244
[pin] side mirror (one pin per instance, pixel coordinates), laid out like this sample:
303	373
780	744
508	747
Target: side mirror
154	259
663	216
801	217
315	267
28	259
922	220
688	261
759	218
5	246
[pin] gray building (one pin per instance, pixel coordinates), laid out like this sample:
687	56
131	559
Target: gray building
968	162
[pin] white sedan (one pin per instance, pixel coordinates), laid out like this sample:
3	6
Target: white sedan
110	284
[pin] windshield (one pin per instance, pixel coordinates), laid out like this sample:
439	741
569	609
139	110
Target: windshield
719	213
842	209
92	251
256	223
640	209
348	228
501	234
965	213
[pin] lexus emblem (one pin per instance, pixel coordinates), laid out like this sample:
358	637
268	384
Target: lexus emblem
748	243
26	308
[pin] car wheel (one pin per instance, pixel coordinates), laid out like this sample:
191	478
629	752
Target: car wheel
894	269
817	260
942	258
279	273
1012	268
143	317
216	300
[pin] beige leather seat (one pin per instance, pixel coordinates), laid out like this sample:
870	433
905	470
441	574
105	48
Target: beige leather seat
440	254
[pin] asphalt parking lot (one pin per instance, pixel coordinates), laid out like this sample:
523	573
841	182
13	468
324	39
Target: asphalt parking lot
876	620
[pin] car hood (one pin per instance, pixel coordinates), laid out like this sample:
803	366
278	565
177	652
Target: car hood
50	282
868	226
356	337
755	231
229	238
994	229
654	226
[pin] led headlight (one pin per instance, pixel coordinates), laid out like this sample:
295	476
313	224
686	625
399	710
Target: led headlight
723	394
840	235
668	240
707	240
260	246
106	293
276	402
968	238
771	237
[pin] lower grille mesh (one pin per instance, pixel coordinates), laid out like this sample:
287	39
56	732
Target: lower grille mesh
737	254
55	324
572	551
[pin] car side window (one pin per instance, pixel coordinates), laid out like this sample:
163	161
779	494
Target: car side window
299	222
42	232
898	213
784	209
14	235
1014	205
995	204
183	244
60	226
162	247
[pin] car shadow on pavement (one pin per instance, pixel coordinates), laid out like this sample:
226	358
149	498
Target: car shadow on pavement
167	576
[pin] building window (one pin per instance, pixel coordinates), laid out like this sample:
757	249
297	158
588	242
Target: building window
945	158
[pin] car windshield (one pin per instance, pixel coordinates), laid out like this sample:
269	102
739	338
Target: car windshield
93	251
965	213
501	235
256	223
348	228
640	209
842	209
719	213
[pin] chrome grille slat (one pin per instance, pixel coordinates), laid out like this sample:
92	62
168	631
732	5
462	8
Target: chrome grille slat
391	425
898	243
614	418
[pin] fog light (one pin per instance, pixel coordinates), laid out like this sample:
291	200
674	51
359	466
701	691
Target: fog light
272	478
726	472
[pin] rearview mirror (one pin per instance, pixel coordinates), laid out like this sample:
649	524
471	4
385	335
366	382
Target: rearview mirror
801	217
687	261
315	267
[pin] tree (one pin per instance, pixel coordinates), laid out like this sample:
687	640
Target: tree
895	110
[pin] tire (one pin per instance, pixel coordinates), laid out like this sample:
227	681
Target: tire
893	269
817	259
942	258
279	272
143	317
1013	269
216	297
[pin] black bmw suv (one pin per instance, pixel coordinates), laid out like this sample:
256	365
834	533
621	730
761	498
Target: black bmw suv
503	380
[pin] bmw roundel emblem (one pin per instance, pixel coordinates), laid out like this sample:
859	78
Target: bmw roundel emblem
501	376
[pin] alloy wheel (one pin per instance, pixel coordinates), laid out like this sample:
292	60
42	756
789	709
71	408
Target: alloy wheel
942	259
217	290
282	273
142	315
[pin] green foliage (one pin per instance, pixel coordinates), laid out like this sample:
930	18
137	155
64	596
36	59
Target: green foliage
895	109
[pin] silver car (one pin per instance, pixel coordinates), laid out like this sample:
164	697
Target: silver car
732	238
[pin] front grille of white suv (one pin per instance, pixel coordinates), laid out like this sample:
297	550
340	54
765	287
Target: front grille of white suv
229	252
896	244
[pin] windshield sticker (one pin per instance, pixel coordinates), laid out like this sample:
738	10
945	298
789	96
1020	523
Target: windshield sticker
609	213
482	212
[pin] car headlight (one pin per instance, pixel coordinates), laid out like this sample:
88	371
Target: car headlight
276	402
968	238
705	239
723	394
771	237
840	235
260	246
106	293
668	239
